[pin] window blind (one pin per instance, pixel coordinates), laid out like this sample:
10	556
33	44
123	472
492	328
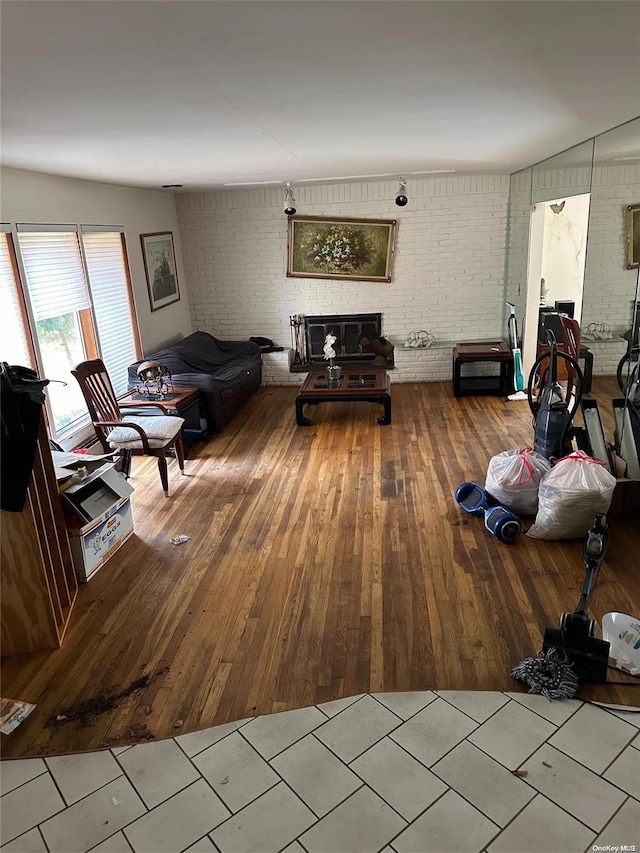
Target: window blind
13	347
106	266
54	272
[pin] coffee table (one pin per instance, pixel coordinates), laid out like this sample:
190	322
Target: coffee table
371	386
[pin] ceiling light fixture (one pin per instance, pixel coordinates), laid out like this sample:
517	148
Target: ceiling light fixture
432	172
289	200
334	178
401	197
171	186
360	177
251	183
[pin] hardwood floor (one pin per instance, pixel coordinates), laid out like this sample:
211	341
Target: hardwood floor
324	561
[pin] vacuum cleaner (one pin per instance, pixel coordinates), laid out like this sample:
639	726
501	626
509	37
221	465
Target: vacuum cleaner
498	520
553	413
516	352
572	653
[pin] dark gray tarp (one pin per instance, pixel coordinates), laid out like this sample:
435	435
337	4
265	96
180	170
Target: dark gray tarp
226	372
200	353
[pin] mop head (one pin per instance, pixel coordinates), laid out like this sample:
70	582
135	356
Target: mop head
550	674
519	395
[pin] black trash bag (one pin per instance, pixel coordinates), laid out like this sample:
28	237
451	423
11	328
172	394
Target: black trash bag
266	345
21	401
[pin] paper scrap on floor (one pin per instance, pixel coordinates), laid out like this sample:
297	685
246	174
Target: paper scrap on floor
12	713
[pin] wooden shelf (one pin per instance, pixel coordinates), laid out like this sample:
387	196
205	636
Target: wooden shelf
38	582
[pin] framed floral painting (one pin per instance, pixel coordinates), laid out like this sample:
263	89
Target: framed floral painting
350	249
160	267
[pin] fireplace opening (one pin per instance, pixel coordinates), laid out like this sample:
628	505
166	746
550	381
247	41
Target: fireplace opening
310	332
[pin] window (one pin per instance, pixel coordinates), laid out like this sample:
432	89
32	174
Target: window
16	344
110	291
60	306
81	307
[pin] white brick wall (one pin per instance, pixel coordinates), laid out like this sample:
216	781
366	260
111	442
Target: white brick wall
551	183
448	272
422	365
518	242
609	286
606	355
275	369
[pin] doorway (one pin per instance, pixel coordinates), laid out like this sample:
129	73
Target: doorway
557	254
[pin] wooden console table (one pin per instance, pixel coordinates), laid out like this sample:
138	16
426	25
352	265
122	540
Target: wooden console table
369	387
186	403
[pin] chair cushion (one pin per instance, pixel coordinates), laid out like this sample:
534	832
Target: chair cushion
160	430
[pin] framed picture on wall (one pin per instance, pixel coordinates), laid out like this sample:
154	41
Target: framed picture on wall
160	268
633	236
350	249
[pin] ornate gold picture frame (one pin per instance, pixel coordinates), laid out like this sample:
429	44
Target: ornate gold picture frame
633	236
347	249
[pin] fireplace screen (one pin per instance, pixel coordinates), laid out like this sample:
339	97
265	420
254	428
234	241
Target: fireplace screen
348	329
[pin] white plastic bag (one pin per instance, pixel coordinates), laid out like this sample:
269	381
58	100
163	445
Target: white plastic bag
570	496
513	478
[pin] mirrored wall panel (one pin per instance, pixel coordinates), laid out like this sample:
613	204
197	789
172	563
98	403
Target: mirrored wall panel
571	239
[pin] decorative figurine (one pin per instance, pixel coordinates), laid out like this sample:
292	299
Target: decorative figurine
381	348
153	371
419	339
328	349
544	291
333	370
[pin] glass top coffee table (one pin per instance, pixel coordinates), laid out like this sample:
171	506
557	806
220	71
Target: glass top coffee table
371	386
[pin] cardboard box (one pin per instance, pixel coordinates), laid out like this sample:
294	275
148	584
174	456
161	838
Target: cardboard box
626	499
101	505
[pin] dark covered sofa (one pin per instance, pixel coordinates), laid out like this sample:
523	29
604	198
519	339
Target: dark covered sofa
226	372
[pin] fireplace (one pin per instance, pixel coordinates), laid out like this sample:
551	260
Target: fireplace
348	329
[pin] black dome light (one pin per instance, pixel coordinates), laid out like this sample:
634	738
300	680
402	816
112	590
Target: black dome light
289	200
401	198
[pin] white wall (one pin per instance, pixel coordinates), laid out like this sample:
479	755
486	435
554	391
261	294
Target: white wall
33	197
565	245
557	243
448	273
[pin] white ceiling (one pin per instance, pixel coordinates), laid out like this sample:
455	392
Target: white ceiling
204	93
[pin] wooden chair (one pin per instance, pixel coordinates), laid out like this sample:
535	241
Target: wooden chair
139	435
568	343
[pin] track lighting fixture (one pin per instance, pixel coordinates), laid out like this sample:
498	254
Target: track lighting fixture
289	200
401	198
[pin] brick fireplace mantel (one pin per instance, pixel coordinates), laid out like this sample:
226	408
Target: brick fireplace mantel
411	365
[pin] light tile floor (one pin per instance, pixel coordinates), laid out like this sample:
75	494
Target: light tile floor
424	772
